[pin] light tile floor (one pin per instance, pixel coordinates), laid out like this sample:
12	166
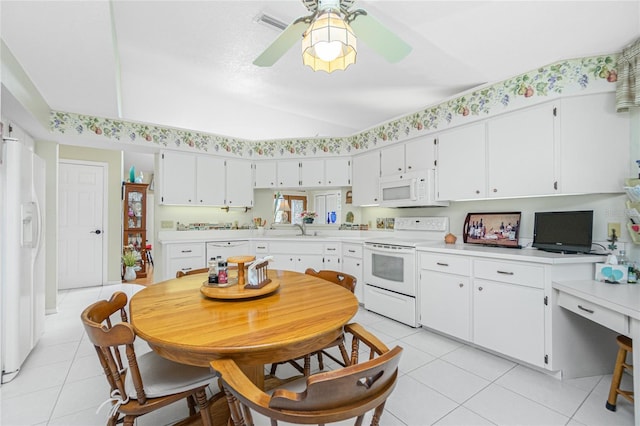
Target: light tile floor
442	382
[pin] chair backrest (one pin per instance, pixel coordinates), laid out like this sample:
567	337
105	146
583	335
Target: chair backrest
108	338
341	278
329	397
181	274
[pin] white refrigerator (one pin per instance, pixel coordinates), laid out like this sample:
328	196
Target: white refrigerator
22	266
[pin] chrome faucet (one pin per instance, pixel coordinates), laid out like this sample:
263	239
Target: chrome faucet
302	227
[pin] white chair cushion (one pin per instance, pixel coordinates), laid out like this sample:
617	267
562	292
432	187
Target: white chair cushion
163	377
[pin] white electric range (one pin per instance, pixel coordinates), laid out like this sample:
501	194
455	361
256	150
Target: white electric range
391	266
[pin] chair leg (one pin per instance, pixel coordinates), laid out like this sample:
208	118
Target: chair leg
377	414
320	360
191	403
203	405
274	366
234	409
343	352
307	365
617	379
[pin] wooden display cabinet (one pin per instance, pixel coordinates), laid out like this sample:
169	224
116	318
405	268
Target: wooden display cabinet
135	224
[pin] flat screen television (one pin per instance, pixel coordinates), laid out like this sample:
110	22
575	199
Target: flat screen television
563	232
492	229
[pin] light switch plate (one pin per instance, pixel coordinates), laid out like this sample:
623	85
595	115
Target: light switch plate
166	224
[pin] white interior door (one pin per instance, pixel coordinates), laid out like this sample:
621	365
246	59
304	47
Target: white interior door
81	224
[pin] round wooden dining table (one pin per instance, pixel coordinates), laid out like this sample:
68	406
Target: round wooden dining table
302	315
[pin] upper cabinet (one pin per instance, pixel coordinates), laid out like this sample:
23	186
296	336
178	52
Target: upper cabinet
520	152
312	173
561	147
288	174
204	180
366	179
337	171
265	174
594	148
414	155
461	163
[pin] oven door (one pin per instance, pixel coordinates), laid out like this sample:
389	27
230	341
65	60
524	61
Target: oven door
390	267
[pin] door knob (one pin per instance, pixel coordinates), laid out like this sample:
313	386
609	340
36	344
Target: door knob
97	232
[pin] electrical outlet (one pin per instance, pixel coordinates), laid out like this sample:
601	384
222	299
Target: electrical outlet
613	226
168	224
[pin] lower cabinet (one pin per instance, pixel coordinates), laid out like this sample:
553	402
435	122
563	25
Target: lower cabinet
501	305
183	257
352	265
509	319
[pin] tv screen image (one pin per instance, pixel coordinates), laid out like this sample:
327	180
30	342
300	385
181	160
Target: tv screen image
494	229
563	232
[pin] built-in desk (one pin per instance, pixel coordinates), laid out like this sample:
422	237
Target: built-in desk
615	306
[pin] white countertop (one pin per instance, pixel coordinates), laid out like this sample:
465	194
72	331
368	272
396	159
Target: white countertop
526	254
168	237
623	298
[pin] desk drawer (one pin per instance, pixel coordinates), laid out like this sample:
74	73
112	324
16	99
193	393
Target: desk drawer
596	313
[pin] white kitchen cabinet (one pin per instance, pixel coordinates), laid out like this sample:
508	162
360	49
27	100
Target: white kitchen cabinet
177	178
509	319
182	257
445	294
337	171
210	181
288	174
352	265
461	163
366	179
227	249
594	145
239	189
312	173
265	174
411	156
392	160
520	152
296	256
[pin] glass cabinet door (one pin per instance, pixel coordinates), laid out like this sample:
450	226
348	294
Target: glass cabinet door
134	238
135	208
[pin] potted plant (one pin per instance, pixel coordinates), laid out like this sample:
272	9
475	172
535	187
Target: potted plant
129	260
308	216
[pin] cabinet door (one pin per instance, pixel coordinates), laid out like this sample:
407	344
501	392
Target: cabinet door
239	188
461	163
304	261
265	174
331	262
445	303
392	160
520	153
312	173
210	181
594	146
509	319
178	178
419	155
366	179
353	266
288	174
337	171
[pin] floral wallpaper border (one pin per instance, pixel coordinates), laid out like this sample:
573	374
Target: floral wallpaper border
536	86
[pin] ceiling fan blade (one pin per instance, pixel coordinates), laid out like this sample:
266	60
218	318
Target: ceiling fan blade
378	37
284	42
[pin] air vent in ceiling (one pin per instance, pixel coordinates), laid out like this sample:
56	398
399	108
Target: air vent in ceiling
270	21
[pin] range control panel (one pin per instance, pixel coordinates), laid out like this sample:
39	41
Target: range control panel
425	223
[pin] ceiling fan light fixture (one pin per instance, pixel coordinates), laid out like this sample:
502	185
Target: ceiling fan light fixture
329	43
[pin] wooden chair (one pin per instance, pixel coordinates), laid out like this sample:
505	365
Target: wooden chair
165	382
347	281
625	346
181	274
330	396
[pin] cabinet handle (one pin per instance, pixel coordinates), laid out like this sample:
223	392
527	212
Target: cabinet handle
357	264
351	251
585	309
409	167
331	249
495	190
185	251
399	169
261	247
460	285
505	272
329	181
479	288
187	269
477	191
442	264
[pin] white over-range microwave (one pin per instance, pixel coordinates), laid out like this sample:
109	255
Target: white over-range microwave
411	189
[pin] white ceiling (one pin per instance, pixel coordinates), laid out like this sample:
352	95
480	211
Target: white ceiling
188	64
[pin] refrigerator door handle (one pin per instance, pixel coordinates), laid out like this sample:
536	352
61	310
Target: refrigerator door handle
39	227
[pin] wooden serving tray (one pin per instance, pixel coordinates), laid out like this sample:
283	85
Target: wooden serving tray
238	291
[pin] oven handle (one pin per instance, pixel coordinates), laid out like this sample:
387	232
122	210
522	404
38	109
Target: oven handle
387	250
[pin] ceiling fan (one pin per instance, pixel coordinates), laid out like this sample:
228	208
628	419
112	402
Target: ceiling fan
351	24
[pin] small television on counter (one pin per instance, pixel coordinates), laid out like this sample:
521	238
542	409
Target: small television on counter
492	229
563	232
